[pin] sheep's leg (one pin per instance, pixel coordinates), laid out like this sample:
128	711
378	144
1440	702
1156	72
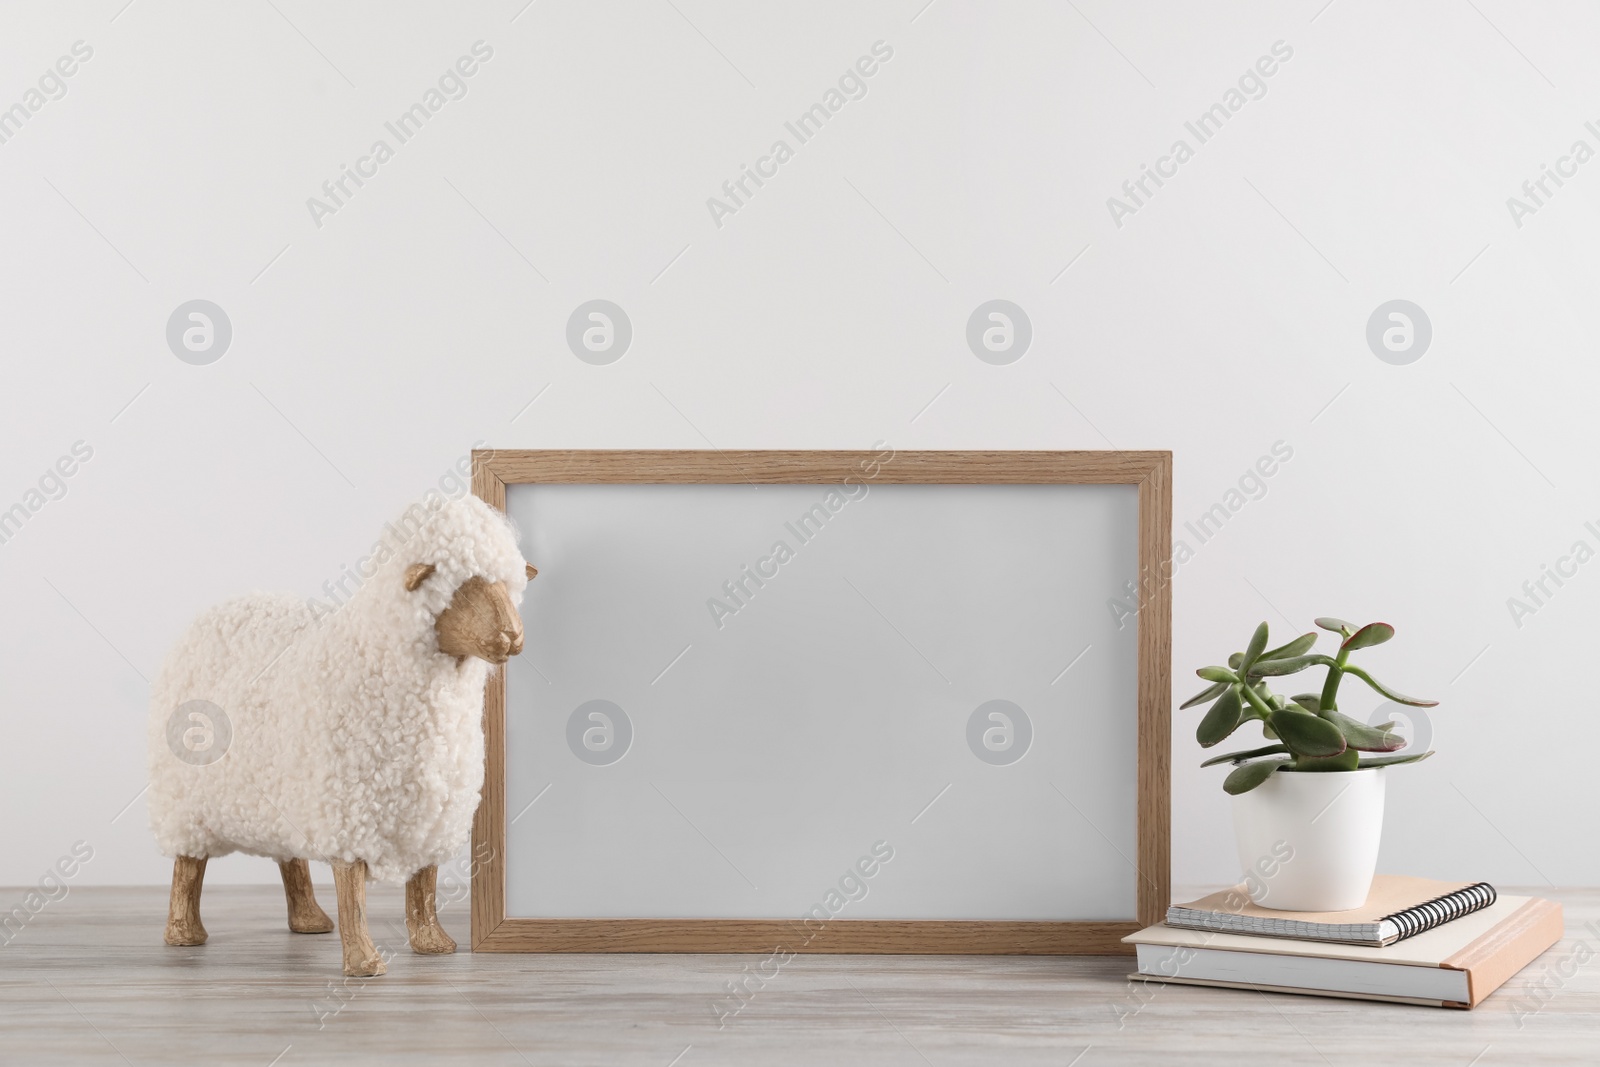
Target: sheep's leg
305	915
183	915
422	922
361	958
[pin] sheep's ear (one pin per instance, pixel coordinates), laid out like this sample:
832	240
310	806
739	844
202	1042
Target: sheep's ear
533	572
416	574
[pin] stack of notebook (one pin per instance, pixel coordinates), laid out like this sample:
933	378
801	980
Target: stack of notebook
1416	941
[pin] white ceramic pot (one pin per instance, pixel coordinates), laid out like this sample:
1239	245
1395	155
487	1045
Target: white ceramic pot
1308	840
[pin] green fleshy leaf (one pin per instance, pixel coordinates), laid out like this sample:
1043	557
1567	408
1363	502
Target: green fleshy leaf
1310	701
1236	659
1338	626
1298	647
1276	668
1358	735
1247	776
1393	761
1373	633
1217	674
1240	757
1221	720
1252	652
1307	734
1344	761
1210	692
1398	698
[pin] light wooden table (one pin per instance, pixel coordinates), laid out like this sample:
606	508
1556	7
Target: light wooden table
89	981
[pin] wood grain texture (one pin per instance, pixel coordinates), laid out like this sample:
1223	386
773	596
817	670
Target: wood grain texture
361	956
1155	691
305	914
183	907
88	982
489	824
1151	472
644	467
422	918
919	937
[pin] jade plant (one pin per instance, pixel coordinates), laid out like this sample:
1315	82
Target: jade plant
1308	732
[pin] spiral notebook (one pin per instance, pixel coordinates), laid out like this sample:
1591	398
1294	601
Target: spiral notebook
1397	908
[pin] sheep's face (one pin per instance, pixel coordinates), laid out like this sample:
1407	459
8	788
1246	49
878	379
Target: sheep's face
481	621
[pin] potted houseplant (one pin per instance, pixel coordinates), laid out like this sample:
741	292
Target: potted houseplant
1308	807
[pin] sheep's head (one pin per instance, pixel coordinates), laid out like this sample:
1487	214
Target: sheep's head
481	621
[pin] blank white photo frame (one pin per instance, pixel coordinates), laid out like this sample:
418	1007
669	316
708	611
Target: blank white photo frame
865	701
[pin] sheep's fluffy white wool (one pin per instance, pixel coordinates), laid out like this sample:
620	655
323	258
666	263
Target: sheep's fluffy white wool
353	736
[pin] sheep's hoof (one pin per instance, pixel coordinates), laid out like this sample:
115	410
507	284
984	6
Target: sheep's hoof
431	940
368	966
185	933
314	921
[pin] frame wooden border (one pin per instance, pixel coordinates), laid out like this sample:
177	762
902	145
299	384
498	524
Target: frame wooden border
493	931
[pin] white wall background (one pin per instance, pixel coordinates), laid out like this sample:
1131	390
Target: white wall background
1229	313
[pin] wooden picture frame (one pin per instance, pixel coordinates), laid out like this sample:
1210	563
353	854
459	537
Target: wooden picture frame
1150	471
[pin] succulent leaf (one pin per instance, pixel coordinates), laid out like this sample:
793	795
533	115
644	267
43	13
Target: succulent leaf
1358	735
1221	720
1338	626
1397	697
1252	652
1275	668
1210	692
1307	734
1391	761
1240	757
1217	674
1344	761
1247	776
1373	633
1298	647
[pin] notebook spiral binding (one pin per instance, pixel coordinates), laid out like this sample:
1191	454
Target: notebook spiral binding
1440	910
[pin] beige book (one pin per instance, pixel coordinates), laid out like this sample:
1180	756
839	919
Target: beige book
1455	965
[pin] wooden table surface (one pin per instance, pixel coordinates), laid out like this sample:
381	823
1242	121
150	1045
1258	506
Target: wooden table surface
89	981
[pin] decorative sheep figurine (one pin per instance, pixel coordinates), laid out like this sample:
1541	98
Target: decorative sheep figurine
351	735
